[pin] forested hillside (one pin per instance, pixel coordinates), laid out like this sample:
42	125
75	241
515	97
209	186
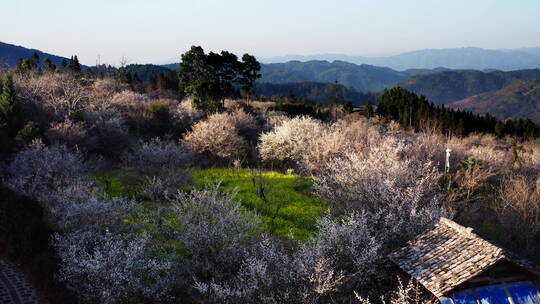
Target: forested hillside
520	98
449	86
364	78
312	91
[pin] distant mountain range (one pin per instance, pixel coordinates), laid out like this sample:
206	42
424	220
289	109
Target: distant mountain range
454	58
443	76
10	55
364	78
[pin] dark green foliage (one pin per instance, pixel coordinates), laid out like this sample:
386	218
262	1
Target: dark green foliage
311	91
369	111
144	71
74	65
299	109
8	107
499	129
160	111
414	111
64	64
48	66
348	107
249	74
162	82
29	132
210	78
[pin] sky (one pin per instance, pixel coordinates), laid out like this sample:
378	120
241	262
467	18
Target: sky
158	31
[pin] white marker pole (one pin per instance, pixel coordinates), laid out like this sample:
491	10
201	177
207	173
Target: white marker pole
447	165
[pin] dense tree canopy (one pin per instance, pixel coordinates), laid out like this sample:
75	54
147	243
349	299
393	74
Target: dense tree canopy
415	111
210	78
8	103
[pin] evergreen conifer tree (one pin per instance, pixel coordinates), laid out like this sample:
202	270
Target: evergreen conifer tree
74	65
48	66
8	103
368	109
499	129
348	107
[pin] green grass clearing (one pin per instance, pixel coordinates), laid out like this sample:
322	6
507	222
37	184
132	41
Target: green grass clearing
289	208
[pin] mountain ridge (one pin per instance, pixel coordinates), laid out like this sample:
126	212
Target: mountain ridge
453	58
449	86
11	53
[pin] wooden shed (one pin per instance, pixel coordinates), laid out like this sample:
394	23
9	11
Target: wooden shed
459	267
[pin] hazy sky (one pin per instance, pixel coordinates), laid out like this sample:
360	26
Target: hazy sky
158	31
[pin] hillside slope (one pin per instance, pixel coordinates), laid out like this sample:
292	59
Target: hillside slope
312	91
520	98
364	78
449	86
10	54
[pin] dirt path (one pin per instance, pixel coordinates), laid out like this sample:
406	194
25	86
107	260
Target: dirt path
14	288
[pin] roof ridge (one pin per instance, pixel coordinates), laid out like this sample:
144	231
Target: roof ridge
459	228
469	232
448	254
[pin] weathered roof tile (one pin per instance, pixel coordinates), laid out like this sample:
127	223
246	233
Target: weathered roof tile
448	255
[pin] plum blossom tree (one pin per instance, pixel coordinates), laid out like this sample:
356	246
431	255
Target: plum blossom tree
111	268
40	170
214	231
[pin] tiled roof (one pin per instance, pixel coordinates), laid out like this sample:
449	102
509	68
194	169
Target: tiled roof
448	255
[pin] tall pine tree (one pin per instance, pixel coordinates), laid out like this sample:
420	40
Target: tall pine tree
74	65
8	104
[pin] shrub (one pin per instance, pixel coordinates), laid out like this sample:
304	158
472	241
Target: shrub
471	180
29	132
104	89
164	165
40	170
269	275
337	139
412	293
518	209
217	136
156	155
159	109
289	140
379	176
127	99
107	133
245	124
89	211
109	268
352	245
186	114
382	181
67	132
214	232
57	94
